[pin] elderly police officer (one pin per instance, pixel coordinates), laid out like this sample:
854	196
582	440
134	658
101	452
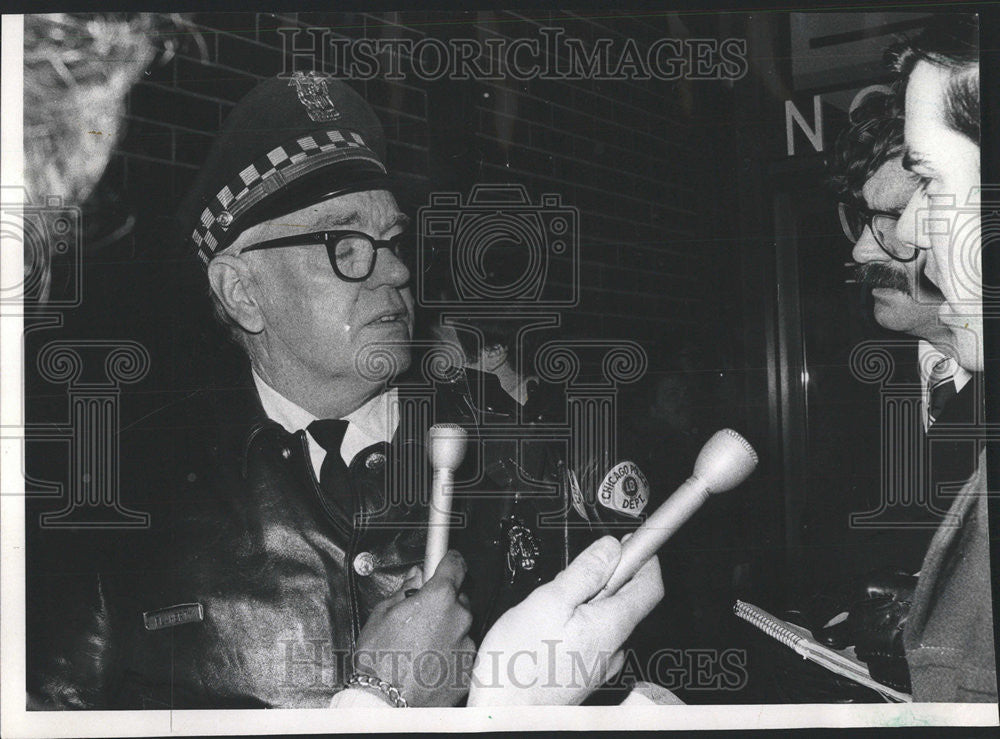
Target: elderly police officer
280	562
262	563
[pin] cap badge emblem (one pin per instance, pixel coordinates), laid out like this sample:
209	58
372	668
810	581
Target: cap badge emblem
314	95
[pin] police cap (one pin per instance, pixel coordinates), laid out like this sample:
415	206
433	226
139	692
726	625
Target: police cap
289	143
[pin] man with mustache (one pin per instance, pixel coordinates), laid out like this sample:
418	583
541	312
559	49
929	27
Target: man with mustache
867	172
941	627
873	187
948	639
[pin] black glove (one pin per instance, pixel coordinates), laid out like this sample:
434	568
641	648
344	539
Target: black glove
876	620
797	680
869	614
825	615
780	675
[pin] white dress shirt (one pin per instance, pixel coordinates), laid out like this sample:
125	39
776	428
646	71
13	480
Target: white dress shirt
374	422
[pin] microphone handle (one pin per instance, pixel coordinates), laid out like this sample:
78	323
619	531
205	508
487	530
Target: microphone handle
437	524
655	532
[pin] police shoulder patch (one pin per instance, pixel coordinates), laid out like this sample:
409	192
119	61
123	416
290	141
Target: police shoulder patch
624	489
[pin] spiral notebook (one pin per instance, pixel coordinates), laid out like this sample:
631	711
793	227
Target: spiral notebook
843	662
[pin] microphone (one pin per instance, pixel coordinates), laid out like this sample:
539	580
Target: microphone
726	460
446	448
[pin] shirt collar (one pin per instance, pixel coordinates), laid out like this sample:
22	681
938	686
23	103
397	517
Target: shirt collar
375	420
929	355
379	417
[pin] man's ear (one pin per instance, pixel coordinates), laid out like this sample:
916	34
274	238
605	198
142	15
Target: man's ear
233	284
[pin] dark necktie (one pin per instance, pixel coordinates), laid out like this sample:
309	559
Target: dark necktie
333	474
941	389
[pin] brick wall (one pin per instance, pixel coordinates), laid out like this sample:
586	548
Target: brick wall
640	159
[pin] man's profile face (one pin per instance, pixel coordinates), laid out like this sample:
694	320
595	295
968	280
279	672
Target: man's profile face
901	302
319	322
939	216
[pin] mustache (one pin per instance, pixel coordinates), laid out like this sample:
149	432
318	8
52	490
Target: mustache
879	274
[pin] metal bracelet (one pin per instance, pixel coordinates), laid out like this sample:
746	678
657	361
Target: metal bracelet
388	691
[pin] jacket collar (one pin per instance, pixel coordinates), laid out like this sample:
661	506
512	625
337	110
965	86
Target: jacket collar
234	419
239	422
372	423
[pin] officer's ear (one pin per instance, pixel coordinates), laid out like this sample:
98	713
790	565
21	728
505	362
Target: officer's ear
232	281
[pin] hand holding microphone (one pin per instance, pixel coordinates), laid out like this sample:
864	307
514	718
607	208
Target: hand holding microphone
559	645
436	617
410	624
726	460
588	611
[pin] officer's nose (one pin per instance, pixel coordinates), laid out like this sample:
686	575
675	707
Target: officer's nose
389	270
866	249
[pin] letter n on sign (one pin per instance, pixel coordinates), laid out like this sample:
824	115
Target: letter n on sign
814	134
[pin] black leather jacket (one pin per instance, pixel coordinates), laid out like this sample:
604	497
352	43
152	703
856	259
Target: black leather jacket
251	585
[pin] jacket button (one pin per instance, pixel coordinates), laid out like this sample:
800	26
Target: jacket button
375	460
286	453
364	564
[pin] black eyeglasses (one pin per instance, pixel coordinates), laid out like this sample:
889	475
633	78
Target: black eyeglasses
352	253
854	219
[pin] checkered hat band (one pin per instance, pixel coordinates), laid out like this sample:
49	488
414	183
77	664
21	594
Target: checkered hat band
270	173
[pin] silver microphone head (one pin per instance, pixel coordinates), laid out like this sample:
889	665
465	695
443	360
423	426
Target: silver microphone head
726	460
446	445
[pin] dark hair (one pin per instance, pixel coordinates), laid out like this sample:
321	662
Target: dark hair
503	333
494	333
951	42
874	137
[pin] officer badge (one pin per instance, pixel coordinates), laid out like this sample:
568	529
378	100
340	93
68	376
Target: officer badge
165	618
522	547
575	494
313	93
624	489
